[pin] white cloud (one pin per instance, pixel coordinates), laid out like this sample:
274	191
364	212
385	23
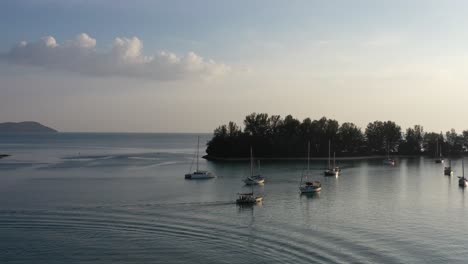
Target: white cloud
126	58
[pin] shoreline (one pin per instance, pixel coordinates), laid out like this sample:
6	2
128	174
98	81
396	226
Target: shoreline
369	157
4	156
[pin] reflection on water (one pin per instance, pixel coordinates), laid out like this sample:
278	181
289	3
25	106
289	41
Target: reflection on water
115	205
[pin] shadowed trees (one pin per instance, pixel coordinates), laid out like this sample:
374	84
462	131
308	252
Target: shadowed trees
273	136
383	136
413	143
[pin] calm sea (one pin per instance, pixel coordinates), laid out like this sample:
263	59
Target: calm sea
122	198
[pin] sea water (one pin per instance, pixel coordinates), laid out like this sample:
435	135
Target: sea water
122	198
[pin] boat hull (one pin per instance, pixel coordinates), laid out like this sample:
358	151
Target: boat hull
199	176
309	189
255	180
448	172
249	200
331	173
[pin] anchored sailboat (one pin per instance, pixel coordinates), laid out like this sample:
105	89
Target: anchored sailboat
448	170
463	182
199	174
309	186
253	179
335	171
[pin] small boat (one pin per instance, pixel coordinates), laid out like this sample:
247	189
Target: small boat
389	161
309	186
448	169
335	171
253	179
438	153
199	174
463	182
248	198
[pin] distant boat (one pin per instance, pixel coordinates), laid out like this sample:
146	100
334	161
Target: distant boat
331	171
448	170
439	153
389	161
463	182
309	186
199	174
253	179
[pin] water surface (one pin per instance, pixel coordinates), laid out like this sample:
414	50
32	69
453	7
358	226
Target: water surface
122	198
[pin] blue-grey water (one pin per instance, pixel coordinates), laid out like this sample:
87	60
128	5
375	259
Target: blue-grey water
122	198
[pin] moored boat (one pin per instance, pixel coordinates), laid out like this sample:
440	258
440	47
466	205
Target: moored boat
199	174
309	186
331	171
462	181
448	169
253	179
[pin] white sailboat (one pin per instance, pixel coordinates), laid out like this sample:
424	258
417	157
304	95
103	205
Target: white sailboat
253	179
199	174
309	186
463	182
335	171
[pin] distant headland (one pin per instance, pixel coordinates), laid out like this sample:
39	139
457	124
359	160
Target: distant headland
276	138
27	127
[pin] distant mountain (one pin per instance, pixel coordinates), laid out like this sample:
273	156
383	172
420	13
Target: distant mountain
24	127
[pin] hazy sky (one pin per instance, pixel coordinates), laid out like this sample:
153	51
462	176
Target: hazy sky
189	66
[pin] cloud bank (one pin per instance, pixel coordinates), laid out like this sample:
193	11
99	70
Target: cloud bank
125	58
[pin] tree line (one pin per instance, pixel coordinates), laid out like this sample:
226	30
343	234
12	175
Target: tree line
276	137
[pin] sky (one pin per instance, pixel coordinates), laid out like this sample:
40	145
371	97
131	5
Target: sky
190	66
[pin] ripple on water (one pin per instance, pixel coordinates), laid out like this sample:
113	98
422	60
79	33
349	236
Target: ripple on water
167	234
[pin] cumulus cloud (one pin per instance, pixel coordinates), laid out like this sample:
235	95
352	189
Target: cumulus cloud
125	58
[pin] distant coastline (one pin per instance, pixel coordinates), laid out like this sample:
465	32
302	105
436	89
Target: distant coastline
4	156
26	127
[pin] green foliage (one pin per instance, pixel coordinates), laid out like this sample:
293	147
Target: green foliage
273	136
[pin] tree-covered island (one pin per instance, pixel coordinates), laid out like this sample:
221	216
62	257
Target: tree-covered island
276	137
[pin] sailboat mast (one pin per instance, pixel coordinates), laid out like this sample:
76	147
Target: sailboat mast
463	168
251	162
198	147
329	153
308	157
334	160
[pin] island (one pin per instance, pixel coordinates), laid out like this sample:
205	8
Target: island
27	127
273	137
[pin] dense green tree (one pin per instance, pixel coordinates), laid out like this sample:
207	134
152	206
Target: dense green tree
454	143
273	136
350	138
383	136
413	143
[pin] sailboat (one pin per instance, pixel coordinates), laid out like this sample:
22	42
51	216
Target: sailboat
463	182
253	179
199	174
248	198
309	186
448	169
335	171
439	152
389	161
